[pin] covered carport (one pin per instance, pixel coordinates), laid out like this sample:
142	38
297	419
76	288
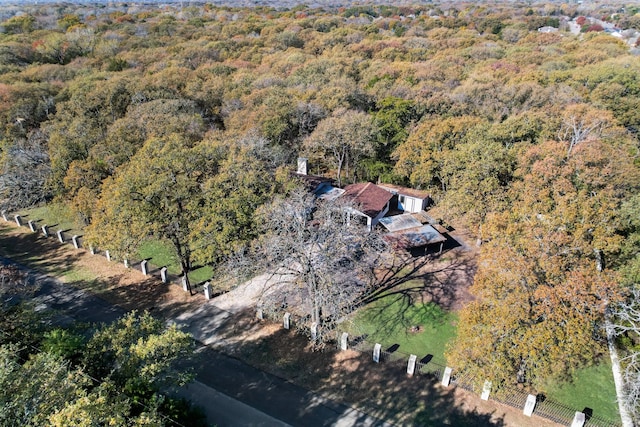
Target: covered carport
406	232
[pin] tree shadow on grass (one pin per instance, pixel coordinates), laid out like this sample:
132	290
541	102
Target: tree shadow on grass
382	390
409	292
146	294
425	278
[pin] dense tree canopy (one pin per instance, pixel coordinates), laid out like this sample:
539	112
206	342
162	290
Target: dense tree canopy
179	123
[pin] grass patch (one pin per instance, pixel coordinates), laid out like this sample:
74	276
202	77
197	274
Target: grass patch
201	274
55	215
162	255
418	328
592	387
78	274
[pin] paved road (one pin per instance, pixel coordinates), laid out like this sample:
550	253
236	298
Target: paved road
231	392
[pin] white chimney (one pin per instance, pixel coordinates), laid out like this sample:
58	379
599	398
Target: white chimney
302	165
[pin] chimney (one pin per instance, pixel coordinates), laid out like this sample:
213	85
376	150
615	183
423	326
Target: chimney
302	165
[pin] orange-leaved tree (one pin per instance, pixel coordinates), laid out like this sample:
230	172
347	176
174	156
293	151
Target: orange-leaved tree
542	284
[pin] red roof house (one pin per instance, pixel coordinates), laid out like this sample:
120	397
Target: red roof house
369	201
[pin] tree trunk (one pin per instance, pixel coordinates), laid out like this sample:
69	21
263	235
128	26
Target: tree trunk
185	275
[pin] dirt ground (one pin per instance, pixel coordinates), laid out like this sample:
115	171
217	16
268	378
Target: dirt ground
380	389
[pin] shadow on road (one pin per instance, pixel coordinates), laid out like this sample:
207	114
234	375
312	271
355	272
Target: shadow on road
382	390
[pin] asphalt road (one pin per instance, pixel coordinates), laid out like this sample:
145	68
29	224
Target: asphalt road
231	392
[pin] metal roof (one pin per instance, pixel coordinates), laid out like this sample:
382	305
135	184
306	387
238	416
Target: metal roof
416	237
400	222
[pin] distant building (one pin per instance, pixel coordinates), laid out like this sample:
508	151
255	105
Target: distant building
547	30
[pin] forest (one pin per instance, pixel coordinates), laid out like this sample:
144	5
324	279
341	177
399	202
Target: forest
181	124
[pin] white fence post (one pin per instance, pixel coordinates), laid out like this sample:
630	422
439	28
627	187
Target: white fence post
486	389
344	341
286	321
578	420
376	352
411	365
529	405
446	377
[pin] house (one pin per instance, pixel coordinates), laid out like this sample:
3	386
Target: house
409	199
370	201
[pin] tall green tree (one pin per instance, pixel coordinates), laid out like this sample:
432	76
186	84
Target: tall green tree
138	352
246	179
393	118
159	193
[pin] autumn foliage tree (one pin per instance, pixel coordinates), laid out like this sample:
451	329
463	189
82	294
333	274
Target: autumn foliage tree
158	193
542	288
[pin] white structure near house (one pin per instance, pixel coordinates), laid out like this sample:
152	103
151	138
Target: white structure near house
320	186
409	199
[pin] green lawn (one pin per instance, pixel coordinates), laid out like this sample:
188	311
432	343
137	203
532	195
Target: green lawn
593	387
56	215
417	328
161	255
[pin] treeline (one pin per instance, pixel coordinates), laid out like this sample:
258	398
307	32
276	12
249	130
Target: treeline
180	123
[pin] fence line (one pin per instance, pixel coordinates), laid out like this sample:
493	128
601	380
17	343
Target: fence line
67	238
431	368
434	369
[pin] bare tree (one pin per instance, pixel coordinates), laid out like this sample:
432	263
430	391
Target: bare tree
325	266
627	323
25	170
343	139
580	123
